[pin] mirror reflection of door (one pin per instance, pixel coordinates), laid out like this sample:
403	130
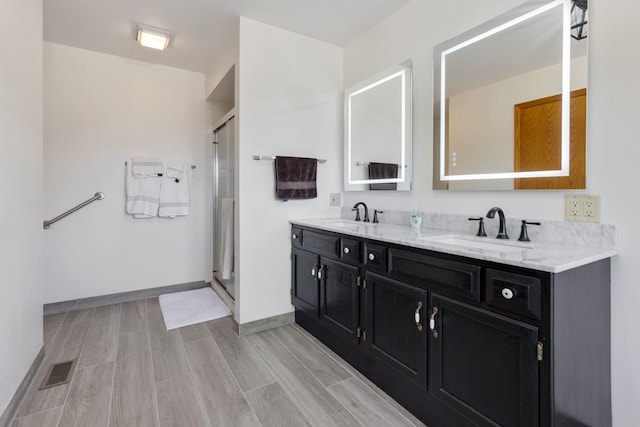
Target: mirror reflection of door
539	147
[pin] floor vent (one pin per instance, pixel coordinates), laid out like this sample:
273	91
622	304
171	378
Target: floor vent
59	373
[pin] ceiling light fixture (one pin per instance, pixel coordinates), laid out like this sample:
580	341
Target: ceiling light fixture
155	38
579	19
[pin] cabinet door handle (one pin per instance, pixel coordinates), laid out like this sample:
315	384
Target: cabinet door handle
346	250
417	316
313	271
320	271
432	322
294	236
372	257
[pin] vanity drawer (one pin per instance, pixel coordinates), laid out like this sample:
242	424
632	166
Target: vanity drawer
375	257
514	292
321	243
450	277
350	250
296	237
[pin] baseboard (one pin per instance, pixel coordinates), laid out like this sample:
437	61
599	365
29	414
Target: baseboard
264	324
12	408
79	304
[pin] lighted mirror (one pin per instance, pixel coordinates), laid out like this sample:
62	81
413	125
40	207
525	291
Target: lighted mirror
510	103
378	132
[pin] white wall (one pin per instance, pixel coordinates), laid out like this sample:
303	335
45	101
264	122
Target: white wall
99	111
290	103
224	60
613	152
20	191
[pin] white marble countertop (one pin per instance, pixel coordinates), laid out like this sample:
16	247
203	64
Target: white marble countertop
553	258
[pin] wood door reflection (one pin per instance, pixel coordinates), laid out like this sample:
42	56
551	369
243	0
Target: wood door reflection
538	147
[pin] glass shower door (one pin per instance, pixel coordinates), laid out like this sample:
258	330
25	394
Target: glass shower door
224	205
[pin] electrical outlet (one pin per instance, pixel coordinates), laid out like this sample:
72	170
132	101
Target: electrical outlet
591	208
585	208
335	199
575	207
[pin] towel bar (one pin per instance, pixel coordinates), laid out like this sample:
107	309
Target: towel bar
357	163
192	166
259	157
47	224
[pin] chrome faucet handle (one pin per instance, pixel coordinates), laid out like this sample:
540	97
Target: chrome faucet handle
481	232
357	210
524	236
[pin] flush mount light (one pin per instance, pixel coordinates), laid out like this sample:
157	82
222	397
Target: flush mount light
155	38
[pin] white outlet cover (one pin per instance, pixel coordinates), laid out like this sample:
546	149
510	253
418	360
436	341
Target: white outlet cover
582	208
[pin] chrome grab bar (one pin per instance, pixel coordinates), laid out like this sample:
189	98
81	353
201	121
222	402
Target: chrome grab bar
97	196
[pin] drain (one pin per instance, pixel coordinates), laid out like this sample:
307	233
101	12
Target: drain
59	373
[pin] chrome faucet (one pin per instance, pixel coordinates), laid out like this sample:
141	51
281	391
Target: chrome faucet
356	208
502	231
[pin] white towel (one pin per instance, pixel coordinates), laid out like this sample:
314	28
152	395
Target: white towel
145	166
143	194
175	169
174	193
227	238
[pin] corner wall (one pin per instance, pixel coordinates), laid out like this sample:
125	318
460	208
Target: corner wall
613	153
20	191
99	111
290	103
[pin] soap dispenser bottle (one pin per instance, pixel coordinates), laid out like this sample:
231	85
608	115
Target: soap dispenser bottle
415	219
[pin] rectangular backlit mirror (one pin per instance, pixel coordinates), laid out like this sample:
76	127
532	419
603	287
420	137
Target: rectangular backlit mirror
378	132
506	94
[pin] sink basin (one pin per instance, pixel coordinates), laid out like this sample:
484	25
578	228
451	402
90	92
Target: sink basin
469	242
347	225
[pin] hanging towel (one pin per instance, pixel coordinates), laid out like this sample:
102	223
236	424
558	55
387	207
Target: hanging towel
296	178
174	170
383	171
145	166
226	238
174	193
143	194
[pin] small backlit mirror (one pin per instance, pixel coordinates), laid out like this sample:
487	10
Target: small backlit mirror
378	132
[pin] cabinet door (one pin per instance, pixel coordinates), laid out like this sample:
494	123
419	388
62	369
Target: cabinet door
484	365
305	291
392	334
339	297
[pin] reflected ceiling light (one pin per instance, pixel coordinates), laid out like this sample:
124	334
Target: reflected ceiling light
155	38
579	18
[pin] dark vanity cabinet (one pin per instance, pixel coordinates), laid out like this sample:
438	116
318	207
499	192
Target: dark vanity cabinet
326	278
460	341
483	364
392	334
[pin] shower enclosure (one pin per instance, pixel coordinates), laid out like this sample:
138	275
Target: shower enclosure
224	205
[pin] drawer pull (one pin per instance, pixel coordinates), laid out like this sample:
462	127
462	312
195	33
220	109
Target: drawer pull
372	257
507	293
417	316
346	250
294	236
432	322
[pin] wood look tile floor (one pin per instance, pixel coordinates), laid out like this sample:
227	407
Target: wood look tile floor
131	371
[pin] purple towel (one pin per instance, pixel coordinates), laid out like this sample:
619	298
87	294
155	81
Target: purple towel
296	178
383	171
